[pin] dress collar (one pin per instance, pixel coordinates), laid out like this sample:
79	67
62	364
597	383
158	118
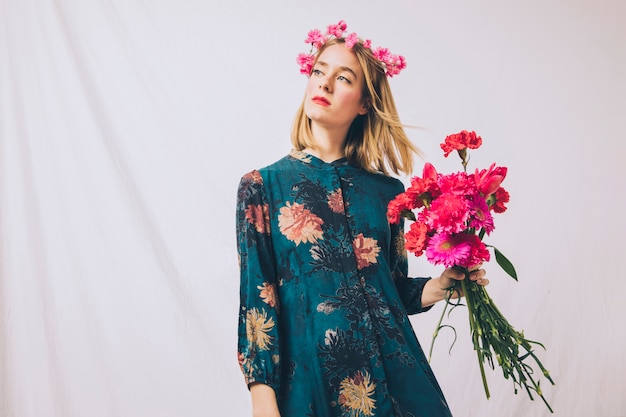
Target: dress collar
314	160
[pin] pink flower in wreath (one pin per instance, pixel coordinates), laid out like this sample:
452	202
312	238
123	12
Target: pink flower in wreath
305	61
338	29
316	38
351	40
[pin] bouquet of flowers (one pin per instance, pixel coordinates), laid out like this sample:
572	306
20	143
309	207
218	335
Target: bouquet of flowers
451	214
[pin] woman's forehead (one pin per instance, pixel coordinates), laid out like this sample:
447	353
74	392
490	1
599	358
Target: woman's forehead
340	56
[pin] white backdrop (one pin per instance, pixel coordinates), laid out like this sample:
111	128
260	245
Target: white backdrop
125	126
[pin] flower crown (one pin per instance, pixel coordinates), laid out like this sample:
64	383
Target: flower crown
393	64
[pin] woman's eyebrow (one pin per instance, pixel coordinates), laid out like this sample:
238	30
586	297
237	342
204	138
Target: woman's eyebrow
343	68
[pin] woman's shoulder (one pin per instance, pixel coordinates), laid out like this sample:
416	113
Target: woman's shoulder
382	180
259	176
278	165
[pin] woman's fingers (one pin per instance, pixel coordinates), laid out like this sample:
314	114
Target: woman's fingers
477	275
455	273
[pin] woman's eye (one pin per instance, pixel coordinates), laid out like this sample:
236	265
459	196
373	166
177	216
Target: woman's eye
342	78
316	72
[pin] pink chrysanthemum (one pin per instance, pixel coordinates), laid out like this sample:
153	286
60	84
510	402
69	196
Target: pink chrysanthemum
448	213
459	183
448	250
480	216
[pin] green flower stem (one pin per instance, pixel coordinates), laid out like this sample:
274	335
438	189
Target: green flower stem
492	333
449	292
476	332
436	333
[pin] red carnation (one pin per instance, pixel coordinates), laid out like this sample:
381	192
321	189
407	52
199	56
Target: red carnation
416	238
460	141
501	197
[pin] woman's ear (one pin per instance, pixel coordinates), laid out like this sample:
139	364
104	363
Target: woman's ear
365	106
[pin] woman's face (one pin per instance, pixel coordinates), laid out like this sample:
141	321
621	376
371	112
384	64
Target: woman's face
334	90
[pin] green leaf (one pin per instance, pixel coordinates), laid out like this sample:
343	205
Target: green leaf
505	263
408	214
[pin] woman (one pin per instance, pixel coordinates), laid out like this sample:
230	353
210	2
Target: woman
323	325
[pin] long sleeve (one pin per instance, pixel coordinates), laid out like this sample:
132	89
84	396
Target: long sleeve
322	321
410	289
258	341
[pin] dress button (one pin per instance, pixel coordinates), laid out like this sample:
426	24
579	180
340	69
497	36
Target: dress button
362	280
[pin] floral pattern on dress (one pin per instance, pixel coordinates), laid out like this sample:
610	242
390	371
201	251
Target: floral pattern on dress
366	250
259	217
355	395
335	201
298	224
258	326
268	294
324	293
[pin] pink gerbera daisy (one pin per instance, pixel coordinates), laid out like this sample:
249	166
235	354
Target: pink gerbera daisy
448	250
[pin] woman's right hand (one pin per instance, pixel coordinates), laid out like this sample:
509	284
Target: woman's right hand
263	401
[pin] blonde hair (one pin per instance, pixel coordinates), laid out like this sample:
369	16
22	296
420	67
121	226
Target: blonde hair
376	141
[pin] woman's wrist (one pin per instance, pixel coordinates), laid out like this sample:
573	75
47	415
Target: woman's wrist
263	401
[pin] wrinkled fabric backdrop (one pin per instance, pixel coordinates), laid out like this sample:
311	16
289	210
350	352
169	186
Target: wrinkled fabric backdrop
125	126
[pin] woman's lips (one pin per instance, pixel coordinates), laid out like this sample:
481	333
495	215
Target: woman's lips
322	101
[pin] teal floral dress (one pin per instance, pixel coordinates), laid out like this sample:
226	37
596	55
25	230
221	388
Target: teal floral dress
325	293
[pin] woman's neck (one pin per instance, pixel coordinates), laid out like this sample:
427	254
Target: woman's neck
329	144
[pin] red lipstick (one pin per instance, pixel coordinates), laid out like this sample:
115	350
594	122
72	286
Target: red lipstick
322	101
